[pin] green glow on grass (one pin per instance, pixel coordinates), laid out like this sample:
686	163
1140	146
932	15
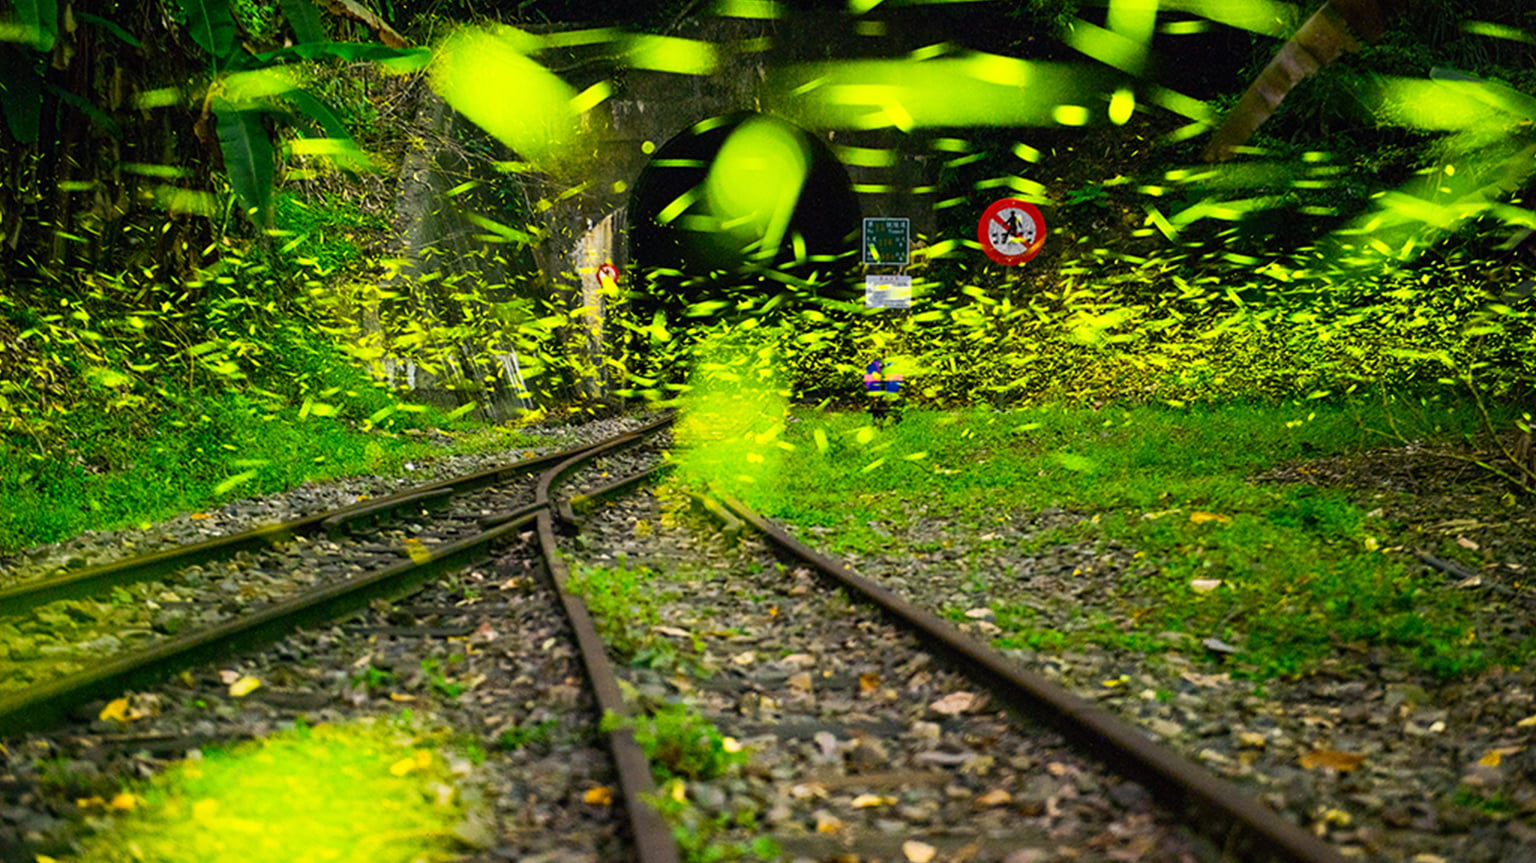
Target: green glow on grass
373	792
732	419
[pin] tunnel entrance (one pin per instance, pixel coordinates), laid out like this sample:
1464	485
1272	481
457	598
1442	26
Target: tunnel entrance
741	207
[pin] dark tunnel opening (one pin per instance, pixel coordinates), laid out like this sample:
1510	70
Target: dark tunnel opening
686	250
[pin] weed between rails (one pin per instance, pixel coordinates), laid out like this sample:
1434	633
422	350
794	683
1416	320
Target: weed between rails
1170	534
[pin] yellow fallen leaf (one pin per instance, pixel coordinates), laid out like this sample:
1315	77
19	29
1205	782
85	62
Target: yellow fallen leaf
1252	738
827	823
202	810
403	766
1527	722
417	551
678	791
746	657
1198	517
44	858
89	802
867	801
1331	758
730	744
198	515
602	795
1337	816
1371	544
1491	759
401	696
116	709
918	852
995	797
868	682
244	686
124	802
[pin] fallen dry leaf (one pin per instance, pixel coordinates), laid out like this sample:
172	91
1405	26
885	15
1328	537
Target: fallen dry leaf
417	551
800	682
602	795
1491	759
227	677
124	802
672	631
1466	543
1204	585
953	704
117	709
868	682
198	515
244	686
808	789
1331	758
826	822
918	852
869	801
1252	738
1527	722
746	657
995	797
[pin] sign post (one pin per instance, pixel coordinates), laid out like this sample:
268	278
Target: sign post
887	242
1011	231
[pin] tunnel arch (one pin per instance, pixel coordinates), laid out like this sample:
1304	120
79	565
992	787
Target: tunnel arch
682	258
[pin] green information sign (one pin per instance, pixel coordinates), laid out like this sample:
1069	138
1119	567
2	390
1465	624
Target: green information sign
887	242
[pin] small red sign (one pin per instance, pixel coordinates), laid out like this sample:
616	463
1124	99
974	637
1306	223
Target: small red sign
608	273
1011	231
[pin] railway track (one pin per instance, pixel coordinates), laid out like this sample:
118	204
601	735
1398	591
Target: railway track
878	731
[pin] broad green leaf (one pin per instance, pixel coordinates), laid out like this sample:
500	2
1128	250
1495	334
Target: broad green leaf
351	52
304	18
97	116
341	147
39	21
212	26
111	27
247	158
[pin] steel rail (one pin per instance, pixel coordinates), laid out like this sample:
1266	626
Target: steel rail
1251	828
562	507
93	580
654	842
40	706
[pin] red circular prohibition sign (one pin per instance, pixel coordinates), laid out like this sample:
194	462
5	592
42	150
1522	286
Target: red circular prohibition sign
1011	231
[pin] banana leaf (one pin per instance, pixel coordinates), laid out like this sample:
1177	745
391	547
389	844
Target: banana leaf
248	159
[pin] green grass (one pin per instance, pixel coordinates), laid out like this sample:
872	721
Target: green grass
1162	496
201	452
373	792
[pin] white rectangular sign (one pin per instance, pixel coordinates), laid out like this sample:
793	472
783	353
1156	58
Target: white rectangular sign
888	292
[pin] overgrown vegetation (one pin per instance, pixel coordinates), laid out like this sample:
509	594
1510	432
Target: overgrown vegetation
1178	536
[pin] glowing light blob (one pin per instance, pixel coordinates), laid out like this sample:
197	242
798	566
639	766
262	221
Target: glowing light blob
486	77
755	182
